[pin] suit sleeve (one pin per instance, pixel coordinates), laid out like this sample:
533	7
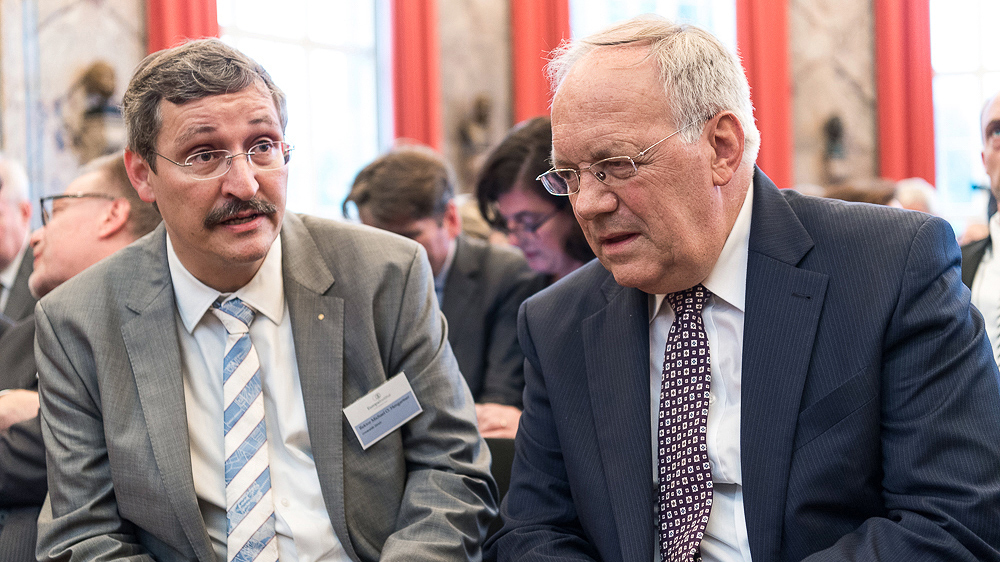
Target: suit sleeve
540	520
940	421
22	465
504	380
80	520
449	498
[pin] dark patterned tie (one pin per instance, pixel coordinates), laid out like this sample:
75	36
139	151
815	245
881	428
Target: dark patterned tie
685	475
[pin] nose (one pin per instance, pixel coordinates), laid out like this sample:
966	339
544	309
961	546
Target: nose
36	237
514	238
241	179
593	199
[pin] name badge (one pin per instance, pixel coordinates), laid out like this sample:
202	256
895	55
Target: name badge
383	410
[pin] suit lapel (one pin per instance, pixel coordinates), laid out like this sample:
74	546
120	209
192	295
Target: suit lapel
154	352
616	350
458	288
972	254
318	329
783	307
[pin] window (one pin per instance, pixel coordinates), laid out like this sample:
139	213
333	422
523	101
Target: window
327	55
966	72
715	16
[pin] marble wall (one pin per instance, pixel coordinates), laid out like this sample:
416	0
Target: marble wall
58	106
831	58
832	62
475	71
48	44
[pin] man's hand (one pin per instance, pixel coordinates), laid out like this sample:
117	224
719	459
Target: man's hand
497	420
17	406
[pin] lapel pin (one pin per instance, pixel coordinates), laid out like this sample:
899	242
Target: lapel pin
321	316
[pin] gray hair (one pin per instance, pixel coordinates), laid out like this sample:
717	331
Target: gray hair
192	71
700	76
13	181
143	217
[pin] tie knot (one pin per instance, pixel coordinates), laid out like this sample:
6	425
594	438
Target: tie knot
692	299
235	315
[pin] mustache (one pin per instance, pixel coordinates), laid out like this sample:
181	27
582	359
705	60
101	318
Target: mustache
233	208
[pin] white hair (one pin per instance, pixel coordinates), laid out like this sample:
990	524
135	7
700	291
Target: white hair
700	76
15	181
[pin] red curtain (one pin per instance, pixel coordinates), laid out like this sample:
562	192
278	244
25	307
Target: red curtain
416	72
904	81
762	36
536	28
170	22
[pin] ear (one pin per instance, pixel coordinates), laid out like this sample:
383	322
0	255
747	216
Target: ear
24	209
725	134
114	219
138	173
452	220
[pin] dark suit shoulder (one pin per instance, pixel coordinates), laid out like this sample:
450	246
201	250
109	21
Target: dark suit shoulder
356	245
574	297
20	303
850	220
493	263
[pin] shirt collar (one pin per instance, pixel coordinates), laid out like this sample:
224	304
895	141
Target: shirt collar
265	292
728	278
442	276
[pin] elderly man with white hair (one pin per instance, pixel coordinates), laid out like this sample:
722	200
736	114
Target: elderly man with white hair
16	301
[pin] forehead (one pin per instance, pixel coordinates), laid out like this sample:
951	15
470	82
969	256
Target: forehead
90	182
608	99
521	199
991	112
250	107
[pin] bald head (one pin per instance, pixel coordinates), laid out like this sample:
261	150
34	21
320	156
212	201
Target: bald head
990	123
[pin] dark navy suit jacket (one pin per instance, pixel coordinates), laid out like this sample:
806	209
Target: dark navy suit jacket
870	424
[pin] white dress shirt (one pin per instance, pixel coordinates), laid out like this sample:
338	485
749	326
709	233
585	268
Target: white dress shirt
986	288
726	535
302	524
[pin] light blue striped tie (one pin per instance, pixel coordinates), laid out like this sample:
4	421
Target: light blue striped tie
249	505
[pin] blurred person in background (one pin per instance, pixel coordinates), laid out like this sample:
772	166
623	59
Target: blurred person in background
916	194
98	214
980	266
513	201
15	256
411	191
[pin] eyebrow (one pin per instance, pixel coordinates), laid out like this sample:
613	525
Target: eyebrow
189	134
990	128
616	149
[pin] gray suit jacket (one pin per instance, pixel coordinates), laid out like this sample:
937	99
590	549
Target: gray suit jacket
20	303
362	310
485	286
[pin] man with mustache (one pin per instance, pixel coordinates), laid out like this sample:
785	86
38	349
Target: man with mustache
245	383
747	373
